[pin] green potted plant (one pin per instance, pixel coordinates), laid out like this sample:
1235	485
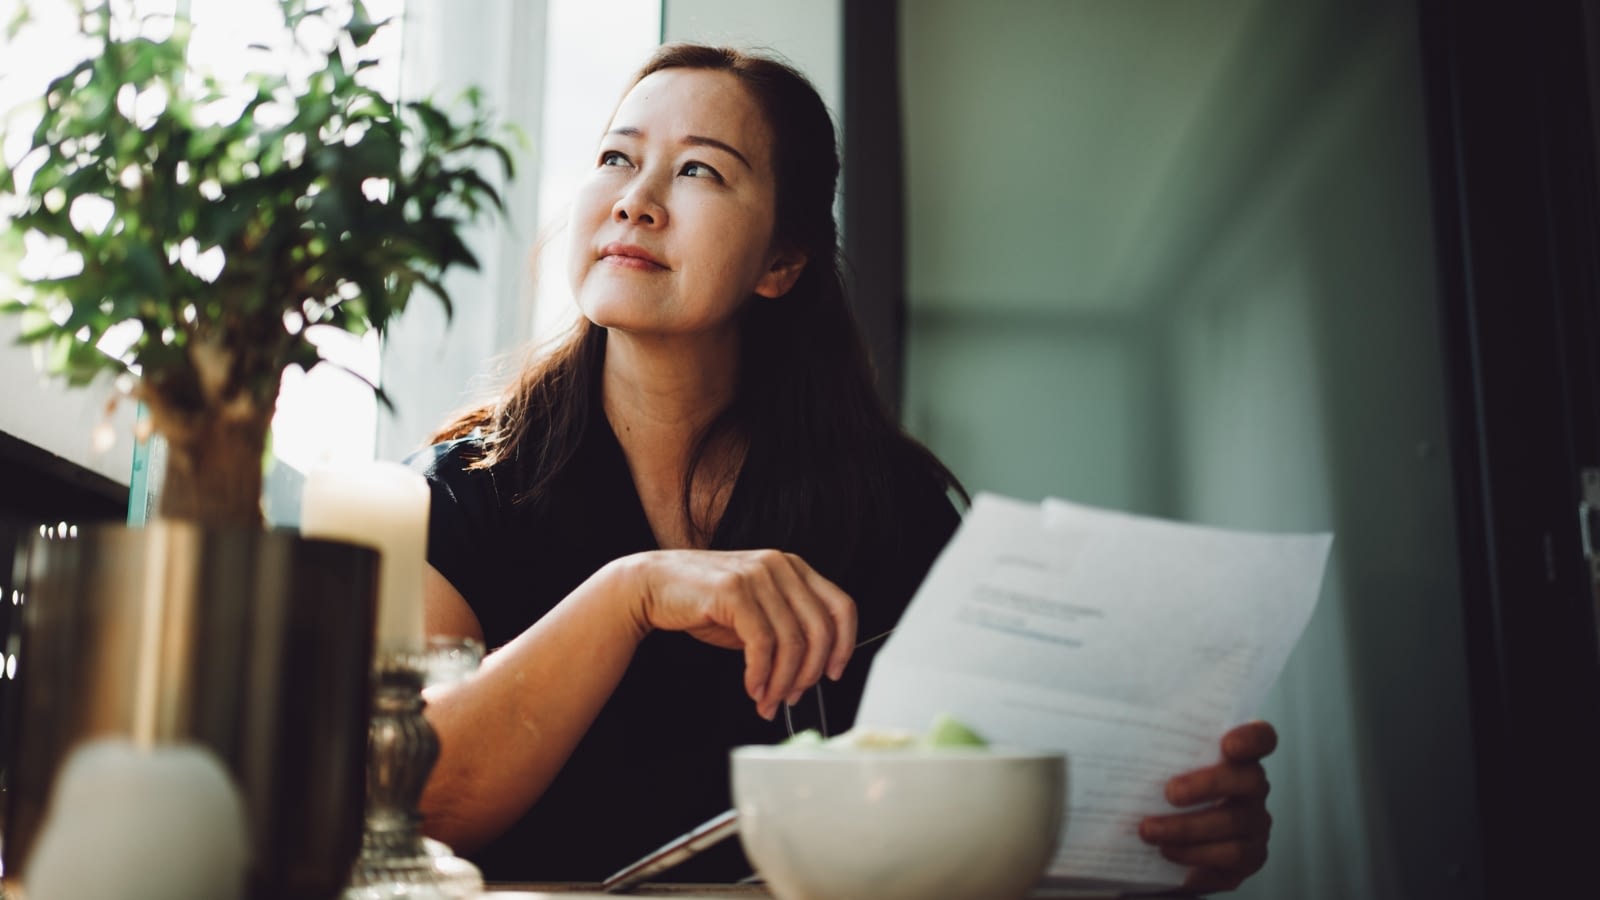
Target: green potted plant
218	223
206	228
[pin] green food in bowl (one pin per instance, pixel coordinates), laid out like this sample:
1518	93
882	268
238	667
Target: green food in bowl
947	732
808	738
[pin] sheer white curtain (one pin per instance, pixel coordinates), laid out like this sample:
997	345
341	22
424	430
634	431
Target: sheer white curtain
554	69
430	362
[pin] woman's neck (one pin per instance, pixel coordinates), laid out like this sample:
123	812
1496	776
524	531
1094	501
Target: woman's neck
659	396
665	388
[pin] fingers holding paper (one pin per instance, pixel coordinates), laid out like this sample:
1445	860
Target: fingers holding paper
1224	840
794	625
1237	776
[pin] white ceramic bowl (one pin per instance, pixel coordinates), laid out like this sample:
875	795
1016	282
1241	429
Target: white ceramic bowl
847	824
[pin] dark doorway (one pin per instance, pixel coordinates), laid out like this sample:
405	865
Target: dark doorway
1512	127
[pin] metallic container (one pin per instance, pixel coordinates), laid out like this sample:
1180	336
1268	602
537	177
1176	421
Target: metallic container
256	644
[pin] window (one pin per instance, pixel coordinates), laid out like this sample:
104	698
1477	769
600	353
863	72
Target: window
592	52
324	413
588	53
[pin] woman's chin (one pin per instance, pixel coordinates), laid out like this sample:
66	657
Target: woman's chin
638	319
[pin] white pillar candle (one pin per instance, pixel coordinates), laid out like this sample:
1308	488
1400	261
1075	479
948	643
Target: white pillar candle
164	822
382	505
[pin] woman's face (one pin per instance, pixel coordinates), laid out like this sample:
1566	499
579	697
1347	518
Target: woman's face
673	229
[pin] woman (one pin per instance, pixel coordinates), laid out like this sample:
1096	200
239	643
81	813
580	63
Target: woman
703	466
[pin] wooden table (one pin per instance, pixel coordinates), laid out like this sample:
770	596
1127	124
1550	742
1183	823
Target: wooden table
574	891
591	891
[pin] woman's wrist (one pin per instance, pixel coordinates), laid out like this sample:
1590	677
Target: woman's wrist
623	583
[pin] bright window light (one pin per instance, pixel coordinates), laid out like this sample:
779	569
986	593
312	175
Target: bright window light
327	413
592	50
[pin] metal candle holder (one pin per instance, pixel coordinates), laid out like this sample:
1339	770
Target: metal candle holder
397	862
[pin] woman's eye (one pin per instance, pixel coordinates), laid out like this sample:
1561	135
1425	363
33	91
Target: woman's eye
700	170
614	158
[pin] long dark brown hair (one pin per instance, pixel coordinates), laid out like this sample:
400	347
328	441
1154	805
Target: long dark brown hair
824	443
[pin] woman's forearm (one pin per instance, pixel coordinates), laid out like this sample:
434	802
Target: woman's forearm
507	731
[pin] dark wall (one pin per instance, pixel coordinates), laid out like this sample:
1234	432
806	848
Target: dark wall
13	532
1513	132
38	486
873	186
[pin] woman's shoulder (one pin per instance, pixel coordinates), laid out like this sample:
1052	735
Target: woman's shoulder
456	474
924	489
913	512
446	459
468	517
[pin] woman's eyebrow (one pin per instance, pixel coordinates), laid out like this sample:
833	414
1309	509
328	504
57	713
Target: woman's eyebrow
693	140
700	141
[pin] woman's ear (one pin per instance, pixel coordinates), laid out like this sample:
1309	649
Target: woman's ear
782	272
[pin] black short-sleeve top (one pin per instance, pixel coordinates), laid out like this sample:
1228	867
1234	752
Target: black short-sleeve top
655	762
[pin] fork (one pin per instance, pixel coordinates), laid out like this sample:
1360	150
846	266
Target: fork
714	830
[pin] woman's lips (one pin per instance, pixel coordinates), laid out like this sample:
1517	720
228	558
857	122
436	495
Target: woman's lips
629	256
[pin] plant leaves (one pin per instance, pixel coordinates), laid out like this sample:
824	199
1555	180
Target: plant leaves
292	229
34	325
147	270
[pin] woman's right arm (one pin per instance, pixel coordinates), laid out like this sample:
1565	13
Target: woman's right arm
506	732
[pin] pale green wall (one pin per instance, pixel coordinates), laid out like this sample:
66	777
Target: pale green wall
1033	404
1311	396
1280	371
1040	137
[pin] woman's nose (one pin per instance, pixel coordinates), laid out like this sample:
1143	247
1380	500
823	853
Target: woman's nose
639	206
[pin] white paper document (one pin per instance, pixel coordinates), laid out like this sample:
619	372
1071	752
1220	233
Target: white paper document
1130	644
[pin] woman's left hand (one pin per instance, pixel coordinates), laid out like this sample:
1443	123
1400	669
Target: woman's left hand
1224	842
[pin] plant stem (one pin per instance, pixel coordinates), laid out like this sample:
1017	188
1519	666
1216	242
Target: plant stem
214	477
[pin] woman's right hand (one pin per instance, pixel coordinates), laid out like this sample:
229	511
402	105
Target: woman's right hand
793	625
